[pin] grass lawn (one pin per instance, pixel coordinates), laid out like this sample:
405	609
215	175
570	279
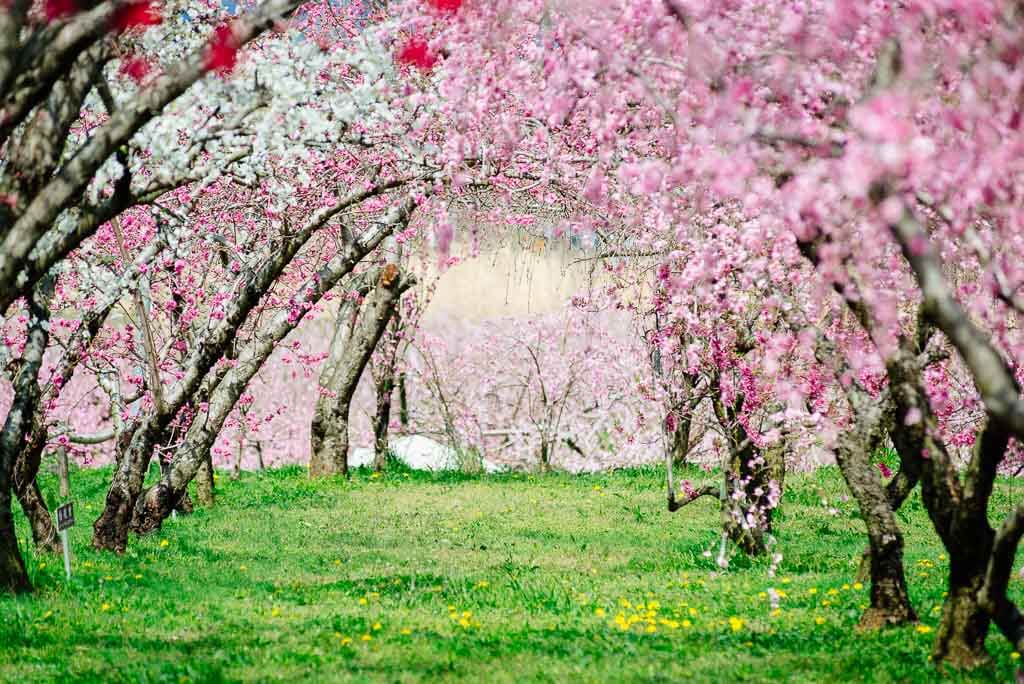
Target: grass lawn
411	577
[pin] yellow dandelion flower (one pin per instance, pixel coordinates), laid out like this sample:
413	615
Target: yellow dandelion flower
777	612
366	637
812	591
858	586
405	631
376	626
819	620
923	629
692	612
105	607
599	612
275	612
651	629
687	624
164	543
735	624
363	601
1014	655
846	587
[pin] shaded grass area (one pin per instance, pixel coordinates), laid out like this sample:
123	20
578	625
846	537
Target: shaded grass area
412	577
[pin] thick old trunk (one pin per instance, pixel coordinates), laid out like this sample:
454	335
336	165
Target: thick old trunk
353	343
13	576
26	489
960	641
753	481
890	602
330	442
753	485
110	531
204	482
16	428
44	534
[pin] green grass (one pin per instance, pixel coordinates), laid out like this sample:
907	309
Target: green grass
510	578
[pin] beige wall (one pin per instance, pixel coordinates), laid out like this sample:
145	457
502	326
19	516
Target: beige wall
511	281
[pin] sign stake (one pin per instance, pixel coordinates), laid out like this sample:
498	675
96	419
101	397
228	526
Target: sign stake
67	552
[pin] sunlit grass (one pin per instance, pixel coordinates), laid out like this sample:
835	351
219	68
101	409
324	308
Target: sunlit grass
409	577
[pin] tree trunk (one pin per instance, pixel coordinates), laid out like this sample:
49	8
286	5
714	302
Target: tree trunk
753	486
110	531
960	641
545	456
13	576
890	602
403	402
26	489
382	419
17	427
680	448
204	482
44	534
353	343
753	480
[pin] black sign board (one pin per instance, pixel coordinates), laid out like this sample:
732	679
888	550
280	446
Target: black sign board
65	517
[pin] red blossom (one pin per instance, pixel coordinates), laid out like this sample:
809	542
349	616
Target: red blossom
136	68
59	9
222	52
884	469
445	5
416	53
135	14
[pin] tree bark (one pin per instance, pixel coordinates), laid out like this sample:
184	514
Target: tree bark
16	428
747	509
204	482
356	341
890	602
26	488
382	418
749	475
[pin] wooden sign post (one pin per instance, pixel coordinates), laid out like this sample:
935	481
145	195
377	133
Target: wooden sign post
65	519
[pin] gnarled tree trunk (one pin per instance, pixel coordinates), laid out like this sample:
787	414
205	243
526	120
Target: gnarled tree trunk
890	602
352	346
18	424
204	482
26	488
